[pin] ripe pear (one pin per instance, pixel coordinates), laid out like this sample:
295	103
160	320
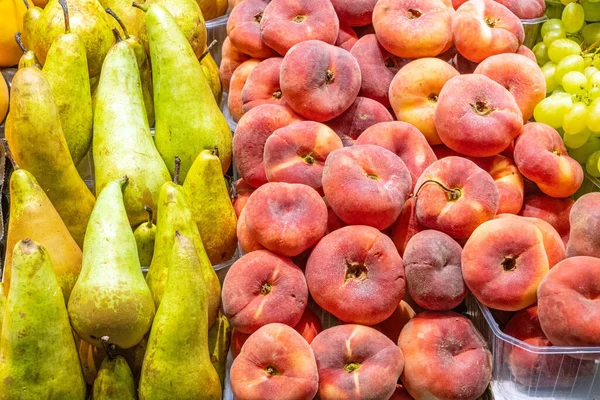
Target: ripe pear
123	143
188	119
29	20
111	297
128	15
219	340
115	380
210	204
189	19
38	357
213	8
67	73
177	364
37	143
2	304
28	59
143	63
145	236
33	216
211	72
88	20
174	215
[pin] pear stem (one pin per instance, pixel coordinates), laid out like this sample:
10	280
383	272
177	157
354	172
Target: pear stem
117	34
63	4
123	181
233	193
26	4
20	42
109	348
210	46
215	151
177	234
150	215
9	154
177	169
142	7
121	24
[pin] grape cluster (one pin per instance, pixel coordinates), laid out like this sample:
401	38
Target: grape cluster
569	55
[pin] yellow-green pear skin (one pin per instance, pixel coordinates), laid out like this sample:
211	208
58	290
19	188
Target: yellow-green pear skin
67	73
219	340
211	207
111	297
2	304
177	364
145	236
37	143
211	72
88	20
188	119
114	381
33	216
29	20
38	357
123	143
127	14
174	215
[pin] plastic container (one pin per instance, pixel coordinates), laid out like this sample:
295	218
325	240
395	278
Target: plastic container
216	29
560	372
532	29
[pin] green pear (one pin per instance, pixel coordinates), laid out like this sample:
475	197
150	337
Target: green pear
38	357
67	73
188	119
177	364
219	340
211	72
128	15
88	20
111	297
2	304
174	215
28	59
37	143
114	380
210	204
143	63
29	20
145	236
123	143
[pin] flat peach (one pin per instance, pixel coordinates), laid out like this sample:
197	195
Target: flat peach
584	221
246	239
243	192
552	210
354	12
262	85
406	226
236	86
243	29
231	58
392	326
347	38
362	114
508	180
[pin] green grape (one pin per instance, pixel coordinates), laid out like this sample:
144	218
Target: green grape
551	25
540	51
574	119
574	82
593	81
593	1
573	17
559	89
591	166
587	61
556	34
565	2
573	62
549	69
581	154
594	93
592	12
591	33
577	140
560	48
552	110
593	116
589	71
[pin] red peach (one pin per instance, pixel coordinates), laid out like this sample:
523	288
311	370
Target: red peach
525	9
236	86
406	226
231	58
552	210
354	174
542	157
243	192
333	221
356	274
525	51
354	12
508	180
584	219
392	326
320	81
347	38
296	153
243	29
246	239
262	85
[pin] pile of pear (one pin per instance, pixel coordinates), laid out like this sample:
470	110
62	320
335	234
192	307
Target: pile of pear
76	311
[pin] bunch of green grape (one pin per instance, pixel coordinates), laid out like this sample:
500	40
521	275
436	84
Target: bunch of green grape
569	55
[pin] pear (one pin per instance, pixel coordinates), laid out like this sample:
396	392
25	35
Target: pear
219	340
2	304
145	235
111	297
33	216
174	215
211	72
123	143
143	63
210	204
213	8
38	357
189	19
28	59
128	15
88	20
115	380
29	20
37	143
188	119
67	73
177	364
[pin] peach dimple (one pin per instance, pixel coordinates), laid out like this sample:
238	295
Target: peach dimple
262	85
243	29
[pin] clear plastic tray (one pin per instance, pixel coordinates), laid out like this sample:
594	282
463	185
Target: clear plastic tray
216	29
532	29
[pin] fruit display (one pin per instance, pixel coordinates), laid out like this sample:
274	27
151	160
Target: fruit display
386	173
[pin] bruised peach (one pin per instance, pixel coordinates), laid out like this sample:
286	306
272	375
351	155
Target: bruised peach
405	141
286	23
362	114
261	288
347	38
503	262
477	116
392	326
354	174
354	12
584	239
250	137
414	92
356	362
262	85
275	363
413	28
231	58
406	226
552	210
243	29
236	87
320	81
432	264
542	157
242	193
445	357
377	68
296	153
455	196
286	218
356	274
